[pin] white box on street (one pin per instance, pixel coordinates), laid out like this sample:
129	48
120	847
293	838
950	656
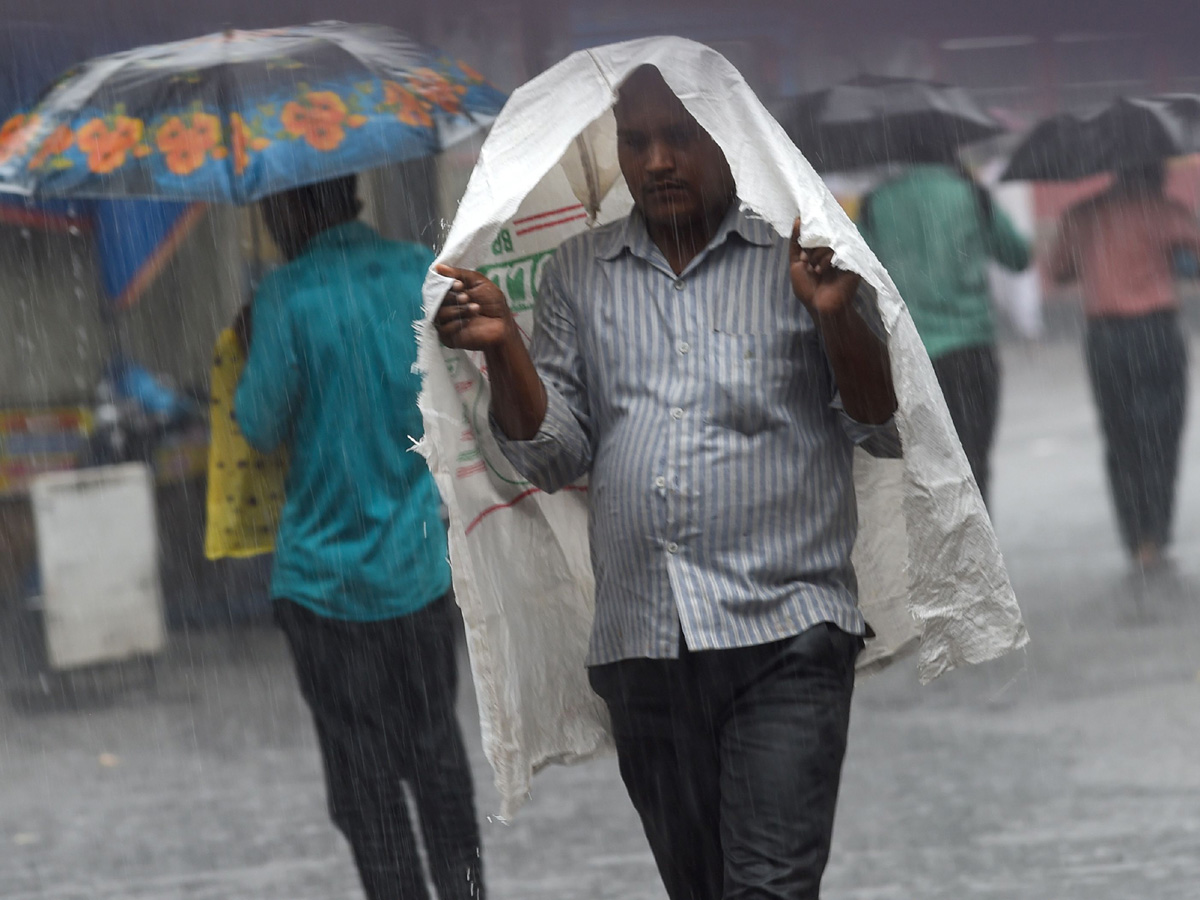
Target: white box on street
98	551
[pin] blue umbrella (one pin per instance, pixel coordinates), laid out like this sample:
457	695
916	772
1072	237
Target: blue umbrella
243	114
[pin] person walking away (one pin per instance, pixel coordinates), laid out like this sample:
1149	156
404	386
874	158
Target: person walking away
361	580
712	379
935	230
1121	246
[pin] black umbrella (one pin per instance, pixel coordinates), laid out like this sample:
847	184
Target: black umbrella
873	120
1128	133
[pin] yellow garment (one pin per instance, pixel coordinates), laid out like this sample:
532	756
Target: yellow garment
245	487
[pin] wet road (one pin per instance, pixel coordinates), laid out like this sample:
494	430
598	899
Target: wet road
1066	773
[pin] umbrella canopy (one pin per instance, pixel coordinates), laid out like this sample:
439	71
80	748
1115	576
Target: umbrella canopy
873	120
243	114
1127	133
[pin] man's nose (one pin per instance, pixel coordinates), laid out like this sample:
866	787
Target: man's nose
660	158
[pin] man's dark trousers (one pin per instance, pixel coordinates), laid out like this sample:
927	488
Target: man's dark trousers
733	759
382	695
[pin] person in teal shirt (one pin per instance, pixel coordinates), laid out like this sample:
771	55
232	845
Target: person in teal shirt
361	576
935	229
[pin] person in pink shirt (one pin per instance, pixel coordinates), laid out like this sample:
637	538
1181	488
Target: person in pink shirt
1120	246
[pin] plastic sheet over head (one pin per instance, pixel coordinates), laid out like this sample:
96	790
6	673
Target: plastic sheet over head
930	572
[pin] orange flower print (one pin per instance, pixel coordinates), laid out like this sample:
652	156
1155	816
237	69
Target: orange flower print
108	155
318	117
434	87
171	134
244	140
91	134
327	106
407	106
129	130
207	129
186	159
471	74
14	136
186	141
325	137
12	126
58	143
392	92
10	137
295	118
107	142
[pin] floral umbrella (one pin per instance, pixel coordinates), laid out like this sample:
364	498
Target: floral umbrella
243	114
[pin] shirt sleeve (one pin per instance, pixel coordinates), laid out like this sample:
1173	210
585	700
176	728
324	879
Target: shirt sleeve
1182	229
882	440
561	452
1063	260
1005	244
269	391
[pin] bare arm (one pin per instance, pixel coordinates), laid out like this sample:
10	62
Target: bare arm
859	359
1064	262
475	316
1183	231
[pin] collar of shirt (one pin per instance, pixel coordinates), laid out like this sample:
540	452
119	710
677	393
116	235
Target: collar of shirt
634	237
340	236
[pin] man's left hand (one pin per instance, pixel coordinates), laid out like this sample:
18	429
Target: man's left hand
824	289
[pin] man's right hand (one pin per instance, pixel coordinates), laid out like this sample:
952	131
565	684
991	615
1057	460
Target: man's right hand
475	313
475	316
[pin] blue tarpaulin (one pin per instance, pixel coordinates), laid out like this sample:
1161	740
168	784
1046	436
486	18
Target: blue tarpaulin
134	239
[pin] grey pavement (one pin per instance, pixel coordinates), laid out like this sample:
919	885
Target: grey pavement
1068	771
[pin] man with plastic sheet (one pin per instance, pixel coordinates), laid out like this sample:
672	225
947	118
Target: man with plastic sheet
361	579
685	371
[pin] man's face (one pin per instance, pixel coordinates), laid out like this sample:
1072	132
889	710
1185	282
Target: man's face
677	174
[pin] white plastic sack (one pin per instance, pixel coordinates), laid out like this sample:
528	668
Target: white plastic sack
926	557
1019	294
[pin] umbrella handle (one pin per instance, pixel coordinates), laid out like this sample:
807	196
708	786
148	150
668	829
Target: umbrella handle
256	270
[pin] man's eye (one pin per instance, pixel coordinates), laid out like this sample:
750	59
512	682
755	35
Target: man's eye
633	141
681	137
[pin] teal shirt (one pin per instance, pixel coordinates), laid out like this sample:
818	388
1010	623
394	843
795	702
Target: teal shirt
928	231
330	376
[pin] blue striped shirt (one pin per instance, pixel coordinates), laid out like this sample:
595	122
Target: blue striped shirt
704	410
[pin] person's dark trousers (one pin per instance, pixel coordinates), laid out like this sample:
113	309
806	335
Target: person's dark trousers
1138	370
382	696
970	382
733	758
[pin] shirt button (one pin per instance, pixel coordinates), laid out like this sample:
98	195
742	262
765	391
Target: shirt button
672	547
685	347
679	285
660	482
677	413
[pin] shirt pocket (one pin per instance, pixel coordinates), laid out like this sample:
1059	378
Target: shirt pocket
758	381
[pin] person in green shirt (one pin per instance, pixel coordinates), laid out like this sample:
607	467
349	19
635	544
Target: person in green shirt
935	229
361	578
